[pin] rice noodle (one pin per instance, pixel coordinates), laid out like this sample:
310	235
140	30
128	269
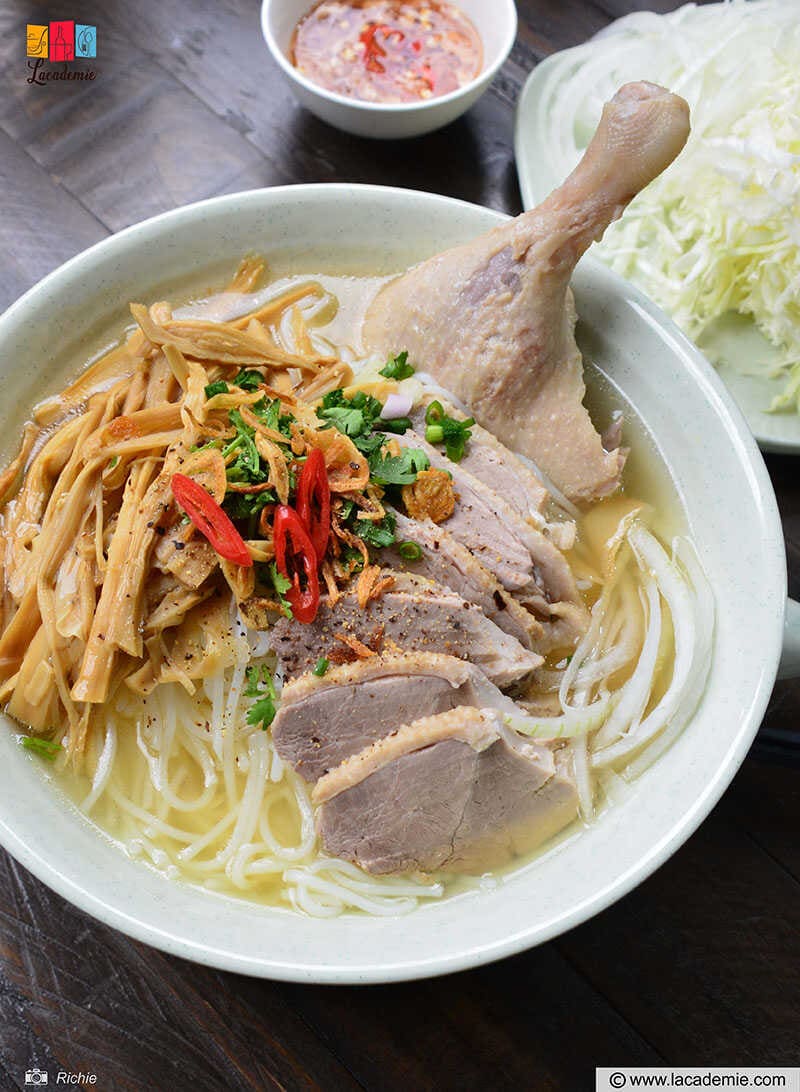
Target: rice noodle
243	848
615	726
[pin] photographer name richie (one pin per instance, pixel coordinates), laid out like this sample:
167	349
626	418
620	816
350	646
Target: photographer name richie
42	75
40	1078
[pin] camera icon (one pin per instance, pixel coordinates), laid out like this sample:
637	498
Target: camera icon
35	1077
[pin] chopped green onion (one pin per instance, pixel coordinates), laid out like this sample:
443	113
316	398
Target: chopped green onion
434	413
397	425
447	430
322	667
45	748
410	551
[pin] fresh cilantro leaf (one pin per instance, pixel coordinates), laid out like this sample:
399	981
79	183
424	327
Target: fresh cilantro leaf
281	584
398	367
269	411
247	466
260	685
370	443
45	748
220	387
346	510
348	420
247	505
333	398
353	416
378	535
399	469
249	380
353	559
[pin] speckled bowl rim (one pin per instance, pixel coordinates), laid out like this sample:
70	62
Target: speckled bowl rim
36	850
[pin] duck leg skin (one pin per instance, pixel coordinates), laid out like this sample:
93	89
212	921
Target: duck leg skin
494	320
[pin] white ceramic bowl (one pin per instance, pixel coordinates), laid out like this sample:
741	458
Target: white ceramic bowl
718	474
496	22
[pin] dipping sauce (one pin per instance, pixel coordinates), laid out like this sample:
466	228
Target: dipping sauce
388	51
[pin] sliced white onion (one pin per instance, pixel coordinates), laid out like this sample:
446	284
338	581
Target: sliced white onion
636	691
685	552
692	636
396	405
573	722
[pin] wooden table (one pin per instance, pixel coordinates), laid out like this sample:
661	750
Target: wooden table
699	965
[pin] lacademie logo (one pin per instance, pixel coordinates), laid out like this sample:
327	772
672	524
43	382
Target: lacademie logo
59	43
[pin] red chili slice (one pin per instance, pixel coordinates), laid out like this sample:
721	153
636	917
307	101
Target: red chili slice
295	554
210	520
389	32
372	50
313	489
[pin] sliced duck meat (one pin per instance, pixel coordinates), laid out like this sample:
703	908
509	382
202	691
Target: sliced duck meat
482	521
447	562
490	461
494	321
322	721
455	791
414	615
503	472
490	529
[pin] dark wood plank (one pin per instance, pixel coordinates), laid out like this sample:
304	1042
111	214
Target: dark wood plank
549	25
704	958
499	1027
78	995
764	803
618	8
41	226
161	147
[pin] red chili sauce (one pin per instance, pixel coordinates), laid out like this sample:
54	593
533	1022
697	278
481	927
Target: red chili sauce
387	51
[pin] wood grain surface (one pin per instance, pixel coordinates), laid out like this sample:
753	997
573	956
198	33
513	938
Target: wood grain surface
699	965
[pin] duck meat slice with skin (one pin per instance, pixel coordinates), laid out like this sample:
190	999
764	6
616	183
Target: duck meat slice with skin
415	615
482	521
456	792
504	472
448	562
524	561
322	721
494	321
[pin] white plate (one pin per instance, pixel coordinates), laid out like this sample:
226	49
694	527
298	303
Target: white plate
717	473
741	343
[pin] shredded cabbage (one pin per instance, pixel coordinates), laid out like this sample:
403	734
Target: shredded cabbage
719	231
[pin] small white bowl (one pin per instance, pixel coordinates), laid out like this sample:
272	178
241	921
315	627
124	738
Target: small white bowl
496	23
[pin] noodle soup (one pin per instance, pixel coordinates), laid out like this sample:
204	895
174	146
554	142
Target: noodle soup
182	774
